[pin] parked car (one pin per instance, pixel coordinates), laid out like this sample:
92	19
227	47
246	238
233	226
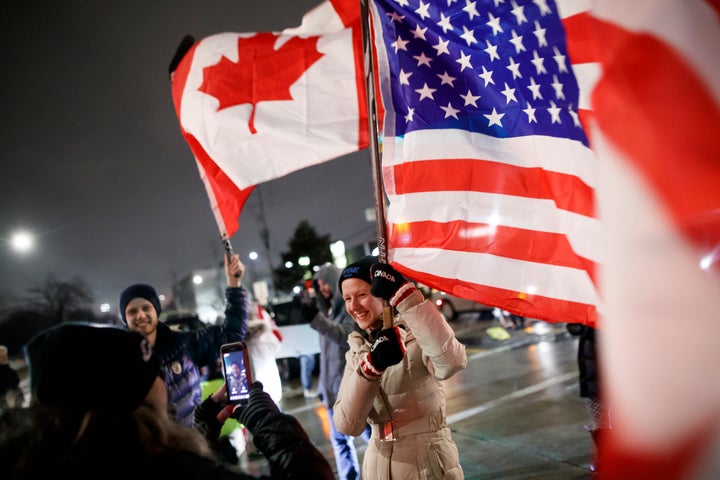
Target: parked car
452	307
182	321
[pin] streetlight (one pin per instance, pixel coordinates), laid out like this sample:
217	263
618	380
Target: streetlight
22	241
338	252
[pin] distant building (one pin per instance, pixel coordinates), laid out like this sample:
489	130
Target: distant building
203	290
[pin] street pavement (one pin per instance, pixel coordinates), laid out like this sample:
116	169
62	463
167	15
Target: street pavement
515	411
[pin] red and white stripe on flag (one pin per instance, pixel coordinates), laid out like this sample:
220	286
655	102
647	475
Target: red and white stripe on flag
494	201
257	106
657	119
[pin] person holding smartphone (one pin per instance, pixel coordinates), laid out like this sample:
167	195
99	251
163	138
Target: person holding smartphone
97	425
182	354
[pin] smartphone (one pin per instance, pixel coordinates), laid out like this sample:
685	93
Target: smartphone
238	374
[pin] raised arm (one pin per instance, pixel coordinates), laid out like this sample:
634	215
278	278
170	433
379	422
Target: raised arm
237	305
203	346
337	331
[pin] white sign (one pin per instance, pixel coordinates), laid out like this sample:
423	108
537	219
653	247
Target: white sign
298	340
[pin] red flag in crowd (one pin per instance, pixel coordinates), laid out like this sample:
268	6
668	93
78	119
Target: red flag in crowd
490	178
257	106
657	118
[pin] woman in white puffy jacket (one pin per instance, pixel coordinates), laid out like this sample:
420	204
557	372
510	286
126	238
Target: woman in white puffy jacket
263	342
393	377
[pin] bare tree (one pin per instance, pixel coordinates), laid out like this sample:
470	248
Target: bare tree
58	299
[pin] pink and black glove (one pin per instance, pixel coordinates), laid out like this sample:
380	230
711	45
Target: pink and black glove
389	284
387	350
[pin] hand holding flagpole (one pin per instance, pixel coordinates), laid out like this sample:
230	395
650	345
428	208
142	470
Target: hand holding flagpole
229	255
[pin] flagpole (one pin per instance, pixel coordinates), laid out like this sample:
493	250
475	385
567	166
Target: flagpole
229	250
380	223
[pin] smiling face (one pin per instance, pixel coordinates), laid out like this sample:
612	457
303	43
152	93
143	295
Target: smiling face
142	318
365	309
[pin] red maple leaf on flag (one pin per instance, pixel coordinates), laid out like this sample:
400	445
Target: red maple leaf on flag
261	72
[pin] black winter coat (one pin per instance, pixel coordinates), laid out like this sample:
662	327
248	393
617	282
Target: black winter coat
32	446
587	360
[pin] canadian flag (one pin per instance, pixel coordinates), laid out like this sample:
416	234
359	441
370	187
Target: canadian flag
655	131
257	106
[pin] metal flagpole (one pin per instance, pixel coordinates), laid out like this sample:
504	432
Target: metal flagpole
380	223
228	249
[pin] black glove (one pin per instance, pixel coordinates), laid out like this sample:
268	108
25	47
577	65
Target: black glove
388	349
309	309
205	418
389	284
259	407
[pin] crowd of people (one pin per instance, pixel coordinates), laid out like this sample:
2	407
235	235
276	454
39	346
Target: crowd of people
142	396
381	377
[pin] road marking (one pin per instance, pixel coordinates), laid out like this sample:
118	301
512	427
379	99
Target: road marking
311	406
456	417
484	353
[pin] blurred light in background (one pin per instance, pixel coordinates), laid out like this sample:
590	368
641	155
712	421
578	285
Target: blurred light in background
22	241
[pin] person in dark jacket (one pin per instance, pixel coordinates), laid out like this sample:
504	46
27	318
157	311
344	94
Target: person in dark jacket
85	424
278	436
182	354
589	378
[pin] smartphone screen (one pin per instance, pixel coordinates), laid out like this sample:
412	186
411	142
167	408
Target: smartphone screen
236	366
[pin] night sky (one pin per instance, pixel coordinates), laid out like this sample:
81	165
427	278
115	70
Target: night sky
93	162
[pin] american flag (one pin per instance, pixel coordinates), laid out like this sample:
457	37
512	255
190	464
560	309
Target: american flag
488	171
656	107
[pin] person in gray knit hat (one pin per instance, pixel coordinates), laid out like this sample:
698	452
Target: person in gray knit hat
182	354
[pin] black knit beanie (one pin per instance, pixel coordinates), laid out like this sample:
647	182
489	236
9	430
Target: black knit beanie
359	269
139	290
82	366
